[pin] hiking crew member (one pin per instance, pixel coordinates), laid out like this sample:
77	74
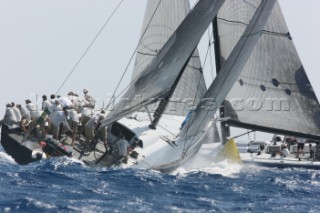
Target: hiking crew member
89	99
46	104
73	122
91	126
16	111
25	117
57	117
86	115
9	118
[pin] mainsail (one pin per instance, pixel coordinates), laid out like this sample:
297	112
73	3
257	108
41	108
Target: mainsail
273	92
157	80
161	19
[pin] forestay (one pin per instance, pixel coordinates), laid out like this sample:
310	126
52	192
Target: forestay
157	79
161	19
273	92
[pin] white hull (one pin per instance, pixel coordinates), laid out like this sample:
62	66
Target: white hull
161	150
158	153
268	161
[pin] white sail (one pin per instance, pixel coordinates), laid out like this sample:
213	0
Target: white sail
158	79
273	92
161	19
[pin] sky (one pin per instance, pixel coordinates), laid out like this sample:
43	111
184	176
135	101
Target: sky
41	41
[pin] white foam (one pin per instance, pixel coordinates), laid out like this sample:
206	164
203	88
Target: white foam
7	158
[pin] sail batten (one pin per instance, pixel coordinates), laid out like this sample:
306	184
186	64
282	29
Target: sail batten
273	92
158	78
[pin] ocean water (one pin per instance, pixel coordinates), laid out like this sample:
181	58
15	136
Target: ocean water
64	185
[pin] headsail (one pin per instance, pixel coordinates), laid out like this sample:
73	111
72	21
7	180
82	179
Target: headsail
273	92
194	133
161	19
158	78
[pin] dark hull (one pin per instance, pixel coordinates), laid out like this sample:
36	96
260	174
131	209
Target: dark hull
11	142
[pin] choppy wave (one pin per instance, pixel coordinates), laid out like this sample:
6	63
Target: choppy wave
65	185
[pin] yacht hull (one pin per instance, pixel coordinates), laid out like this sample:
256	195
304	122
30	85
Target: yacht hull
265	160
11	143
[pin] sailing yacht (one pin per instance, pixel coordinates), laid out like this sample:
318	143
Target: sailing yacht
260	85
249	69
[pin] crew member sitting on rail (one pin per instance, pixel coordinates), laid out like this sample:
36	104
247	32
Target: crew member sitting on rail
90	101
86	115
57	117
74	120
16	111
9	118
25	117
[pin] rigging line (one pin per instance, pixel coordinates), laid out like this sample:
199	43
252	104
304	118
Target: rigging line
203	65
210	54
211	66
135	50
90	45
246	38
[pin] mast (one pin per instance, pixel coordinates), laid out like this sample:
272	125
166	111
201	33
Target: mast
165	101
225	129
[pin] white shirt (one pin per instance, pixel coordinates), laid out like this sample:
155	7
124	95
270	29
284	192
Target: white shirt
30	106
74	115
90	99
285	152
17	113
77	102
122	146
65	101
300	140
87	112
35	114
25	113
58	117
10	118
53	100
46	105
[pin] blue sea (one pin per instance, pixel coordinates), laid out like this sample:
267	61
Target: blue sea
64	185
